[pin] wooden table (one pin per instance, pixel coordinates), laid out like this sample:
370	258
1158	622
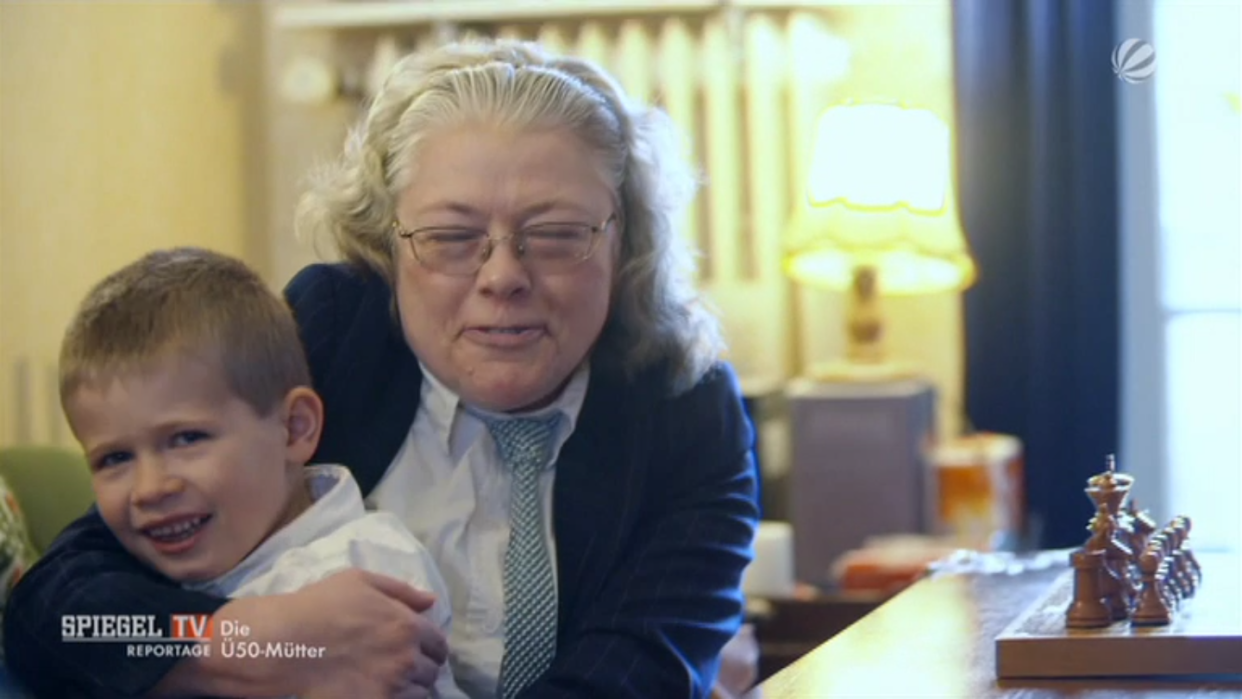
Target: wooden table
937	639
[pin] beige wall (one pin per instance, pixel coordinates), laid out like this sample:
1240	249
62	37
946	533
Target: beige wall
123	127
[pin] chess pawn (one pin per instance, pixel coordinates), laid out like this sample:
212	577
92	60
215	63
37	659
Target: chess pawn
1159	546
1168	581
1181	560
1172	582
1142	524
1196	571
1178	568
1087	609
1152	609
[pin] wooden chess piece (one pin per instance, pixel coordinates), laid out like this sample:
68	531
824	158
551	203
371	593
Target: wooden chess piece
1181	562
1115	582
1159	544
1174	581
1143	525
1111	490
1196	571
1087	609
1110	487
1152	608
1181	577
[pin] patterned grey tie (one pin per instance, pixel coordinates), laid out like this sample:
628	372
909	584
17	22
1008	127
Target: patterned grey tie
530	589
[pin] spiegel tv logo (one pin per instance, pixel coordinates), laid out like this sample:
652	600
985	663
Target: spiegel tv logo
189	635
185	635
1134	61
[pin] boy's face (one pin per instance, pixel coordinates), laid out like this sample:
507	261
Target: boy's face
187	475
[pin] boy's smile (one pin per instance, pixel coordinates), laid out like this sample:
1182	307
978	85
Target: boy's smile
189	477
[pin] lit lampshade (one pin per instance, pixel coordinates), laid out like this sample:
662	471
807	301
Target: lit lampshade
882	218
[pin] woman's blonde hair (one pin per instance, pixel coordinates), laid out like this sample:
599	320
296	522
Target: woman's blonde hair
658	319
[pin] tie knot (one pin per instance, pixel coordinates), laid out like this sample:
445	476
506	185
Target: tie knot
523	443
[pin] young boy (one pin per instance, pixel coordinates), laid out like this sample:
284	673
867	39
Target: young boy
184	380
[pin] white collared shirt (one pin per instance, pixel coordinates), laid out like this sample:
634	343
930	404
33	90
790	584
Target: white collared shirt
450	487
334	533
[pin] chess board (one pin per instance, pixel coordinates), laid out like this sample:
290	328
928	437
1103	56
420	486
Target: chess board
1204	639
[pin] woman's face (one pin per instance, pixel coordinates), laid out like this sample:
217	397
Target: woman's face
507	337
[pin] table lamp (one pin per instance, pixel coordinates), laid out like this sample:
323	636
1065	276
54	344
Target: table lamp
880	221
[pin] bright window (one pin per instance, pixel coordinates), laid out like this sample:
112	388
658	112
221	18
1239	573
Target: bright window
1196	241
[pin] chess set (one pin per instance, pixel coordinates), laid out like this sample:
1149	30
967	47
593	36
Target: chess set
1136	601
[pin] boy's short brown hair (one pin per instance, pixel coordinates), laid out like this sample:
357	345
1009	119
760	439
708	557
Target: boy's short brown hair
187	301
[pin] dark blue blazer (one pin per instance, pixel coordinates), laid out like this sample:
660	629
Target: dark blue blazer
654	512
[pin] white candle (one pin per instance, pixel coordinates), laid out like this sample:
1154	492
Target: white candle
771	573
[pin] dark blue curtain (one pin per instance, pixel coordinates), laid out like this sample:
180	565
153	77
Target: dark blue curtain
1037	167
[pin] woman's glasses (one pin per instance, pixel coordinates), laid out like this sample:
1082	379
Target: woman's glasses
543	247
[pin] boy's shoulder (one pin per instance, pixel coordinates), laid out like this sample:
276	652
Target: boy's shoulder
345	537
364	534
377	542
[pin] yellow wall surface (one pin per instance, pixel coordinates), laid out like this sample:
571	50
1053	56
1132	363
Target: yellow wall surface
122	129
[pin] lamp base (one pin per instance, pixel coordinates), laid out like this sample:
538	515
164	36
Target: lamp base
862	372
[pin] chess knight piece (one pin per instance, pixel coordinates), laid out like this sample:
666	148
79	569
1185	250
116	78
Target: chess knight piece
1087	609
1115	582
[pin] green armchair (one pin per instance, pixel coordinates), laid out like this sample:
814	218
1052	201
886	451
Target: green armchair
45	489
52	486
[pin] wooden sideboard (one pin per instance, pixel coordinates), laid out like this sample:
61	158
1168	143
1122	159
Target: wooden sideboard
937	639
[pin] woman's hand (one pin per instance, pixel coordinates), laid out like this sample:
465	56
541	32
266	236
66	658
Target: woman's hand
375	644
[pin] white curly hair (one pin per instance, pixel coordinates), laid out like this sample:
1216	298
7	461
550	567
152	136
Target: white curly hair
658	319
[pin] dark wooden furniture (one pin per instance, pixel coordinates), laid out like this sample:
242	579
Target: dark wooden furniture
937	639
788	629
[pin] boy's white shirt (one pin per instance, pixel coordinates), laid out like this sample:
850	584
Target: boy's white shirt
336	533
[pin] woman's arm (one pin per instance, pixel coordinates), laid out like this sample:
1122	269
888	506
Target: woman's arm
372	637
352	634
86	574
674	599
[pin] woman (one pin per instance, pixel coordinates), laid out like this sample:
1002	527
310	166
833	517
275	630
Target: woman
506	217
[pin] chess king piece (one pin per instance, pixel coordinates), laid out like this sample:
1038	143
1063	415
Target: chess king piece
1112	489
1153	608
1087	609
1115	581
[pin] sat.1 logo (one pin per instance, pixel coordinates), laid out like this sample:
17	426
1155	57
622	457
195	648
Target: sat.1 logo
1134	61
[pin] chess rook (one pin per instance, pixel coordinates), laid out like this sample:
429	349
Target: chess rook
1087	609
